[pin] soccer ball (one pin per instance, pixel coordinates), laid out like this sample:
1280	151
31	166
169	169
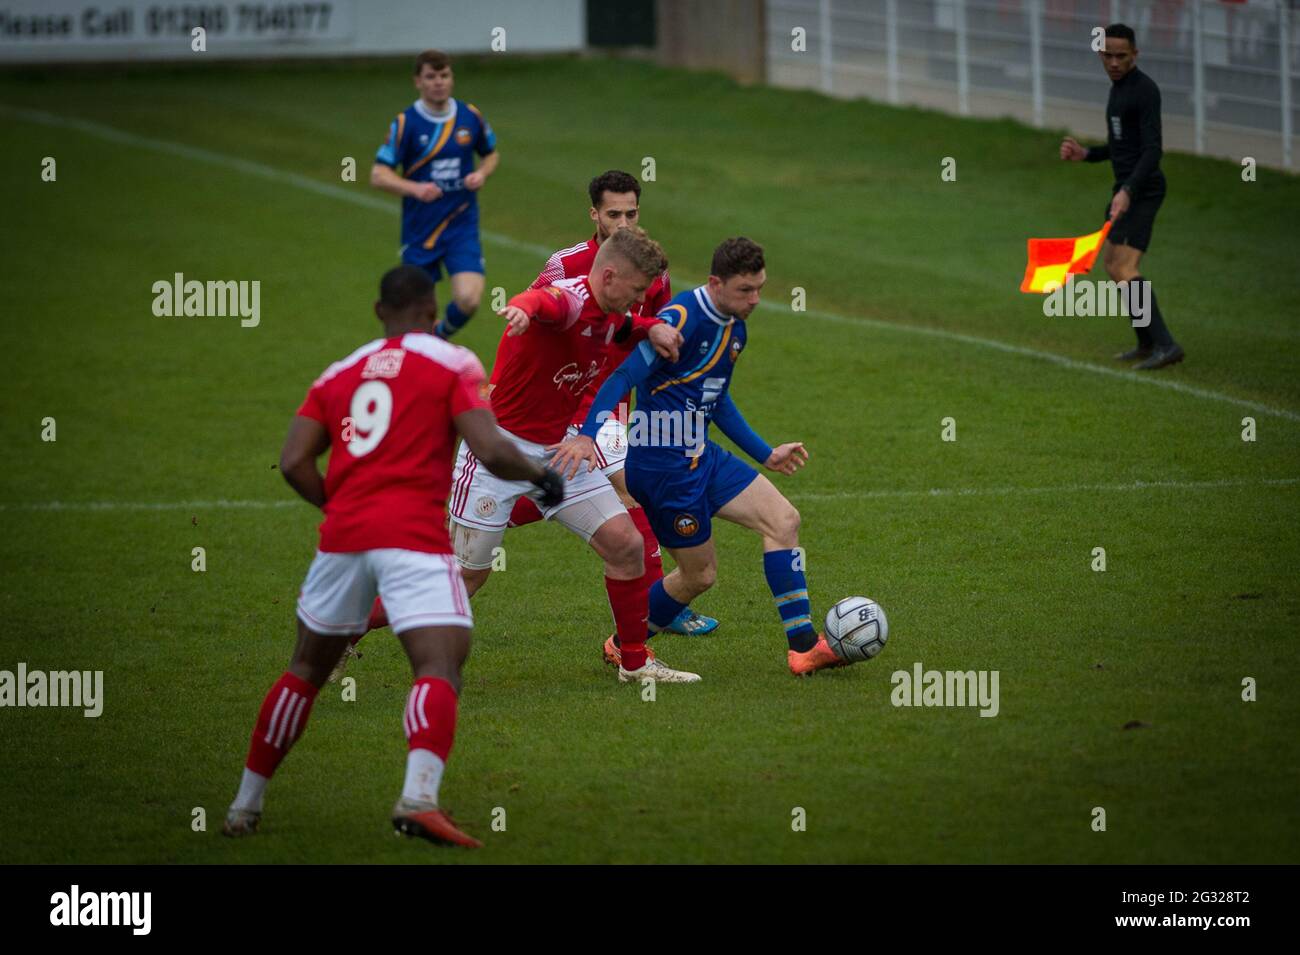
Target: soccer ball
856	629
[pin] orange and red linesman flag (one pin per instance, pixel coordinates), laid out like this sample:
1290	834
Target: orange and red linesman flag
1051	260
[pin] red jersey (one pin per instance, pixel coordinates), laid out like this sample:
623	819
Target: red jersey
577	260
388	408
539	376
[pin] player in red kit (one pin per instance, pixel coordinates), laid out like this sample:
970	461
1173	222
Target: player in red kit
389	413
553	347
615	204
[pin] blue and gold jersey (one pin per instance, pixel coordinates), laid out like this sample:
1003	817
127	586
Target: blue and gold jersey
691	387
676	401
437	148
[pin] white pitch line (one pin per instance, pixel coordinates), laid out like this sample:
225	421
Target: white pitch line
1061	360
82	506
1051	489
391	207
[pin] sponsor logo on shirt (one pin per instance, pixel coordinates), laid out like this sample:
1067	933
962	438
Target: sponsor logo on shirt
571	376
384	364
446	173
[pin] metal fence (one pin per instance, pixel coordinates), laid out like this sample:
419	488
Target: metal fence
1226	68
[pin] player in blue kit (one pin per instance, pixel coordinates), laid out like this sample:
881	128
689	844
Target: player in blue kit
434	141
682	478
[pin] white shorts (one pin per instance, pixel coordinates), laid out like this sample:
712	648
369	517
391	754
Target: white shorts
418	589
611	445
481	502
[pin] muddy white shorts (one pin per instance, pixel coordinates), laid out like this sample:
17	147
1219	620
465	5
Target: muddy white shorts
611	445
481	502
419	590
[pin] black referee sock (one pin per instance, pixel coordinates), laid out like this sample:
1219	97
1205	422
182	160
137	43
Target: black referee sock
1143	332
1157	335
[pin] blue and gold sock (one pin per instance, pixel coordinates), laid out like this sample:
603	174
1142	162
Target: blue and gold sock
790	590
452	322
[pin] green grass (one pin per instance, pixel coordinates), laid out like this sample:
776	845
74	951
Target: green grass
1200	589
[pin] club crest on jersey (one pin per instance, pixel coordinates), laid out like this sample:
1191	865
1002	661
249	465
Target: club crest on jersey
1116	127
735	351
485	506
463	136
686	525
384	364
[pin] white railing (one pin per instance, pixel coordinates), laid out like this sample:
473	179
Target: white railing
1225	69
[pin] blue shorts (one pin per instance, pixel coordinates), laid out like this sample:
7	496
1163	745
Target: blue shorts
680	502
457	249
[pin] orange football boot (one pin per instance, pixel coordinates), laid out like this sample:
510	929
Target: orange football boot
614	656
820	657
424	819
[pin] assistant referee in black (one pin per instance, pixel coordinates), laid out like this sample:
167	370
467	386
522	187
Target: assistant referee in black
1133	148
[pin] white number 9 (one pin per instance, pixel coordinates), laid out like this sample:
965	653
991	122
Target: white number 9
372	411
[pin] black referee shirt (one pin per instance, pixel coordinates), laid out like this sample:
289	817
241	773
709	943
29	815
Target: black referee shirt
1133	134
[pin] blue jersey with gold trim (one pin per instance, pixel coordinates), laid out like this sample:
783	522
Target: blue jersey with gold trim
437	148
690	389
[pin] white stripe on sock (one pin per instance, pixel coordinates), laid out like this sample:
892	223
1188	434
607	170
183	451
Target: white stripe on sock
419	706
275	714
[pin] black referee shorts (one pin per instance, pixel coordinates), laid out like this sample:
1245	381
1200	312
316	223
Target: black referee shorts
1134	227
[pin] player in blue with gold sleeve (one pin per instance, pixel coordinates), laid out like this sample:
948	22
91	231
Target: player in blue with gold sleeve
434	141
682	478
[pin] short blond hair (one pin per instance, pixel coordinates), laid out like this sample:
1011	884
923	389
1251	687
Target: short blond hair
636	248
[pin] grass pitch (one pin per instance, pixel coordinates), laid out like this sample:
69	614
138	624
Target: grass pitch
979	549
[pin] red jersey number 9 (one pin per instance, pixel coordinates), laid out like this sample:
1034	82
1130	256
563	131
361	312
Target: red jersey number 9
372	412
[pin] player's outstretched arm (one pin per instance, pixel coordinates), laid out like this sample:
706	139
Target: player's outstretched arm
307	440
733	424
478	426
785	458
548	306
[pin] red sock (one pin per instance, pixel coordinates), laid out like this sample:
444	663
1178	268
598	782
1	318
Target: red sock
630	602
525	512
378	618
430	717
654	564
280	722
